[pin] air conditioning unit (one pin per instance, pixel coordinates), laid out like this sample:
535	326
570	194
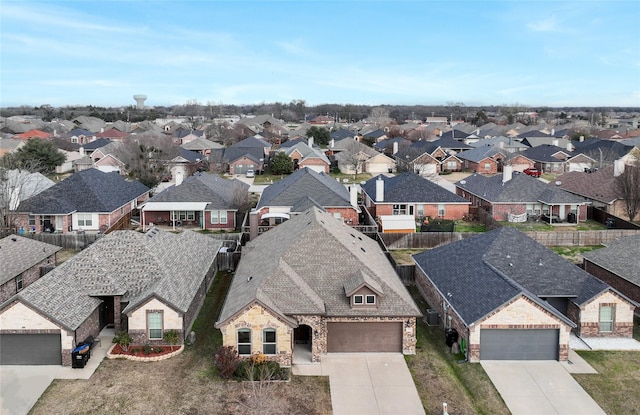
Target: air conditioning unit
432	318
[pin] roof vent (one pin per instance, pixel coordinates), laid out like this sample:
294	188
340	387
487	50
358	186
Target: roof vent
249	278
558	183
463	182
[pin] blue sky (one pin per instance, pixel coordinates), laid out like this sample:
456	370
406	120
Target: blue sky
535	53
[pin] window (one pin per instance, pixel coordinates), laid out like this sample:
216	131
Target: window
269	341
399	209
19	283
154	323
183	215
452	165
371	299
244	341
441	209
606	318
32	220
218	217
358	299
420	210
121	211
85	219
487	166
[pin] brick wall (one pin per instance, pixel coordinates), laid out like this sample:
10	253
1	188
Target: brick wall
349	215
198	300
626	287
315	162
29	276
589	324
452	211
89	327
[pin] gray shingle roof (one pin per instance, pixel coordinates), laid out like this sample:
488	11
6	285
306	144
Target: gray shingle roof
496	266
621	257
520	189
411	188
482	152
321	187
134	265
301	266
204	187
88	191
17	254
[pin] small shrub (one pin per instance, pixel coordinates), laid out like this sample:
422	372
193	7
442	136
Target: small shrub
134	350
258	358
123	339
226	361
157	349
146	349
171	337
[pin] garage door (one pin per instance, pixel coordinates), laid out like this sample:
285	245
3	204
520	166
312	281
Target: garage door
539	344
30	349
364	337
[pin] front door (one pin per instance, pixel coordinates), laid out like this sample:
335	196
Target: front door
106	312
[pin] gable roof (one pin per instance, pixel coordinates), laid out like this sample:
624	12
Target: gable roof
340	134
137	266
17	254
409	187
306	152
89	191
480	153
454	134
215	191
292	269
352	146
599	185
96	144
321	187
500	265
520	189
545	152
200	144
621	257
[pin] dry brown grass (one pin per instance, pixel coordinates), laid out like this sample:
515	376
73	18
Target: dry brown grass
65	254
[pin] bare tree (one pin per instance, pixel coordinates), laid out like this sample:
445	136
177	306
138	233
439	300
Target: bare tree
17	185
379	116
628	183
146	156
258	397
356	161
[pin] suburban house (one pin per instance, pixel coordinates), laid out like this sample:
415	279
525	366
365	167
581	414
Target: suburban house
508	144
555	160
599	188
516	197
305	155
486	159
89	200
314	284
350	153
401	202
143	283
16	186
422	157
247	154
618	264
510	298
203	201
201	145
296	193
23	260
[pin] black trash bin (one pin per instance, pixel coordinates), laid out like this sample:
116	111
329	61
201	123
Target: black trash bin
79	356
451	336
571	217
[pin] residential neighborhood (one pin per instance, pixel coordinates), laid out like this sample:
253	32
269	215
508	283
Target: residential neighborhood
320	252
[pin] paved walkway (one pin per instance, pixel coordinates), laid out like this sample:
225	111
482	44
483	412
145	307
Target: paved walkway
542	387
22	386
367	383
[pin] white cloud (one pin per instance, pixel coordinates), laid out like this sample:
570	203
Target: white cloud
550	24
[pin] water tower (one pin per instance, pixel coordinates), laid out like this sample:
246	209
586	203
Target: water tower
140	99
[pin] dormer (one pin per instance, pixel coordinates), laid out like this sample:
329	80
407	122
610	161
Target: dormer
362	290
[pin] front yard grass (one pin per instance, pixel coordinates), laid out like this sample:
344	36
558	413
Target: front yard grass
573	254
185	384
438	376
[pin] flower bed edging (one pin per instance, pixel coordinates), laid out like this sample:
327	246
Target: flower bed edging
143	359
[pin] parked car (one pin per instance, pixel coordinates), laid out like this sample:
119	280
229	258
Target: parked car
533	172
250	173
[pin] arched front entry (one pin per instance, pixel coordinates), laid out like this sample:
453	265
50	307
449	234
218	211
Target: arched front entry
302	342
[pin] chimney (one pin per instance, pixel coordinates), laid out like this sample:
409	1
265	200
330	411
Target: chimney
253	224
581	138
179	177
501	144
310	142
507	173
553	131
618	167
569	146
353	195
332	143
379	189
395	147
81	151
554	142
102	129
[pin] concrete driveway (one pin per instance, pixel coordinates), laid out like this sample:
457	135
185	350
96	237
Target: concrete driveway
539	387
367	383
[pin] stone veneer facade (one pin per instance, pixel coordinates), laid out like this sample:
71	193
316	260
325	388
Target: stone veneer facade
587	316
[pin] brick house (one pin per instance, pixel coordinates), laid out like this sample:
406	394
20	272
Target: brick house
348	150
556	160
402	201
89	200
297	192
204	201
24	261
618	265
487	159
249	153
513	299
143	283
513	194
304	155
315	285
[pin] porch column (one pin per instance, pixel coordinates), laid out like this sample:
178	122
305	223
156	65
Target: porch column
117	318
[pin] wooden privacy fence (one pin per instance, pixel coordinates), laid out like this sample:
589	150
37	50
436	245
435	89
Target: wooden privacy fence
73	241
428	240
